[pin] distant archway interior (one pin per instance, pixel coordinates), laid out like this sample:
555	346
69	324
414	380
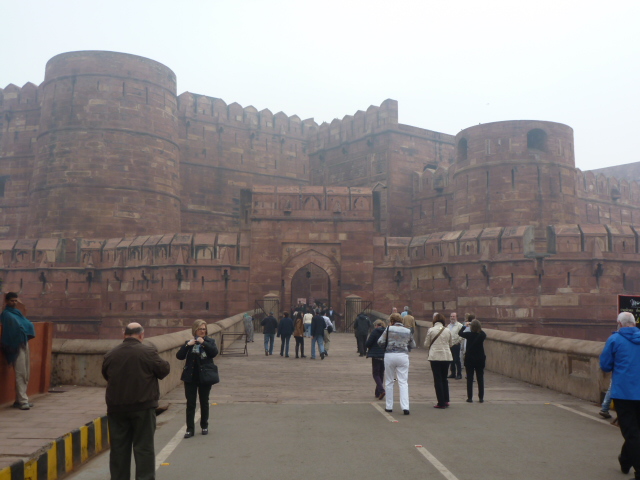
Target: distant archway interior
311	284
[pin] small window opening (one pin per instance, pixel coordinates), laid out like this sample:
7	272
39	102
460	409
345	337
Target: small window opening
537	139
462	149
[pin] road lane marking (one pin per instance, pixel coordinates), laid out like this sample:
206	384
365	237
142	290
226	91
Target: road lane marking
173	443
577	412
434	461
385	414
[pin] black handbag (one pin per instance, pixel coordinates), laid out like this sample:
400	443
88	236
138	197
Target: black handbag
209	374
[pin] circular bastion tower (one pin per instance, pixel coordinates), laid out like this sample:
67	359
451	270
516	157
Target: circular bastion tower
107	155
514	173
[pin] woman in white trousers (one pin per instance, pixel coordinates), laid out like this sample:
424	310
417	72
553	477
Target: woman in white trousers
396	341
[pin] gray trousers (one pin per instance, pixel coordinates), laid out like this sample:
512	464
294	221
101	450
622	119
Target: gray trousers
23	371
135	430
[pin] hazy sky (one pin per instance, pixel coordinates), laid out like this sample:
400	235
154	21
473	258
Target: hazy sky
451	64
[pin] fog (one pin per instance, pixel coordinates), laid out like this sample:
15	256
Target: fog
450	65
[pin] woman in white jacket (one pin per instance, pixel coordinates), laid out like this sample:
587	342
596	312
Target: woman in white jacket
439	342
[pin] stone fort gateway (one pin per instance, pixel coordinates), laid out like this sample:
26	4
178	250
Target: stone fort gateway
122	201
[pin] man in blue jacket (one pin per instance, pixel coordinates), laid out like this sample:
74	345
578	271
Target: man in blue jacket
621	355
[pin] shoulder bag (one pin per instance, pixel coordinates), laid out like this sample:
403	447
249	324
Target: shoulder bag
209	374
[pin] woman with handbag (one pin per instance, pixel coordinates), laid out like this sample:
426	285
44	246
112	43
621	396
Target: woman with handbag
439	342
474	360
199	374
396	340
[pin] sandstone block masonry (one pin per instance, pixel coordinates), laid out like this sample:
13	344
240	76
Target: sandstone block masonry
121	200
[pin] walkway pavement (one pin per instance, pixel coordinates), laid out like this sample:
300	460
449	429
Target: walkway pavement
515	415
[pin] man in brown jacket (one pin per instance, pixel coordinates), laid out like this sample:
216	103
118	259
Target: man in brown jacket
132	370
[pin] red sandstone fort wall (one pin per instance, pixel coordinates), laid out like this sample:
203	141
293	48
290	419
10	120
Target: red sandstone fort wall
105	155
92	288
226	149
19	120
372	149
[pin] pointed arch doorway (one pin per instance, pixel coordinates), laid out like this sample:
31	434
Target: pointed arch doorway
310	284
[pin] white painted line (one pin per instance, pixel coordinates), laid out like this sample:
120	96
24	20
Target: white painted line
385	414
173	443
434	461
577	412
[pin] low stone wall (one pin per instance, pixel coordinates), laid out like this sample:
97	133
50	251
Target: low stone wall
79	362
561	364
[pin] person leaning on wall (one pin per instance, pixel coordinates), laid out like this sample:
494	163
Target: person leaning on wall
16	333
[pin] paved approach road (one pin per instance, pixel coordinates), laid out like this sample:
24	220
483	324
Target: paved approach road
287	418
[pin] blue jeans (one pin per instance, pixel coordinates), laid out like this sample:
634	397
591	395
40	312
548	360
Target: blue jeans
307	329
268	342
320	340
606	404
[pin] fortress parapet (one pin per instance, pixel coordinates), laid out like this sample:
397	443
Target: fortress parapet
107	156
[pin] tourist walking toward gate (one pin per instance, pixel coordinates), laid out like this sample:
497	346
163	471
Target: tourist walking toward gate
285	330
308	316
396	340
318	326
248	326
439	342
361	328
474	359
269	327
298	334
376	353
197	374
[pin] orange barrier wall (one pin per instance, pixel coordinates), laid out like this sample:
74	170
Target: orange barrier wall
40	380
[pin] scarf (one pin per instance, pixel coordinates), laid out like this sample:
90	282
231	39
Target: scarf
16	331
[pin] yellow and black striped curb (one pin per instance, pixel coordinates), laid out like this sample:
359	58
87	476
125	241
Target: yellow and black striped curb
62	455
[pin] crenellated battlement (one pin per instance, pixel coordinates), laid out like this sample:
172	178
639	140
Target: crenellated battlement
210	109
13	97
359	125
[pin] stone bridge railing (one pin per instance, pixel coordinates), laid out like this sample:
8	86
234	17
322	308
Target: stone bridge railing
562	364
79	362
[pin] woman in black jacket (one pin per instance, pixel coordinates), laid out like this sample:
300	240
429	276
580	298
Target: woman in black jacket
376	353
474	358
198	352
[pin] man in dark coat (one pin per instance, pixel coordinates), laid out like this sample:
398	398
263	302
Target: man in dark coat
285	330
317	335
361	328
269	327
132	370
16	333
